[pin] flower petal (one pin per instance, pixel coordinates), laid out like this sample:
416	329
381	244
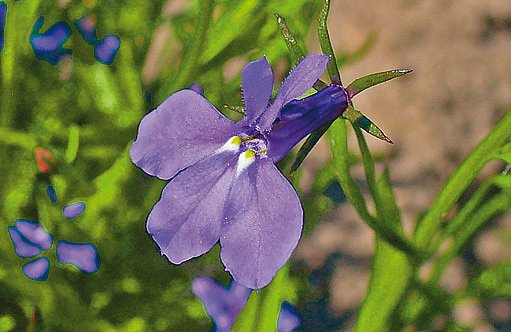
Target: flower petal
86	29
185	223
289	319
299	80
73	210
262	224
22	248
37	269
82	255
184	129
257	85
222	305
34	233
106	49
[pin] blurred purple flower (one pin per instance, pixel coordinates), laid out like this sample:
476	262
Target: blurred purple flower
289	318
105	49
223	304
73	210
3	14
85	27
48	46
37	269
82	255
225	185
29	238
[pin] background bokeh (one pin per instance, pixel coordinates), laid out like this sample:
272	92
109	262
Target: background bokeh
460	88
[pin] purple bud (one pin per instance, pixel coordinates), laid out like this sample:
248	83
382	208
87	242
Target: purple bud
37	269
82	255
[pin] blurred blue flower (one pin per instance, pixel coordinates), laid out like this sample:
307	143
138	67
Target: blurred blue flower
3	14
73	210
223	304
52	194
30	239
48	46
82	255
105	49
225	185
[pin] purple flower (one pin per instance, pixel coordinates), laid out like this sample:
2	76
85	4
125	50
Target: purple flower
29	238
86	29
223	304
289	318
48	46
82	255
225	186
37	269
3	14
73	210
105	49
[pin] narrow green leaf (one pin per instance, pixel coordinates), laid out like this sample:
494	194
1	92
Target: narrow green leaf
460	180
363	83
231	25
389	281
326	45
72	143
296	53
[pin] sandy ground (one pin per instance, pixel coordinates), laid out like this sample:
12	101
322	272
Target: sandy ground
459	51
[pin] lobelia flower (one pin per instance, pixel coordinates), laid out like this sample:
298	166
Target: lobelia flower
105	49
3	14
223	304
225	186
48	46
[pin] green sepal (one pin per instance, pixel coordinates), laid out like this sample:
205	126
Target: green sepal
360	120
365	82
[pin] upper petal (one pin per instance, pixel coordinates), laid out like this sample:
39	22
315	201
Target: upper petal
262	224
299	80
184	129
257	85
185	223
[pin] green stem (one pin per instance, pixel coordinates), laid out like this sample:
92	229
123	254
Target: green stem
460	180
326	45
340	154
188	68
495	206
15	138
